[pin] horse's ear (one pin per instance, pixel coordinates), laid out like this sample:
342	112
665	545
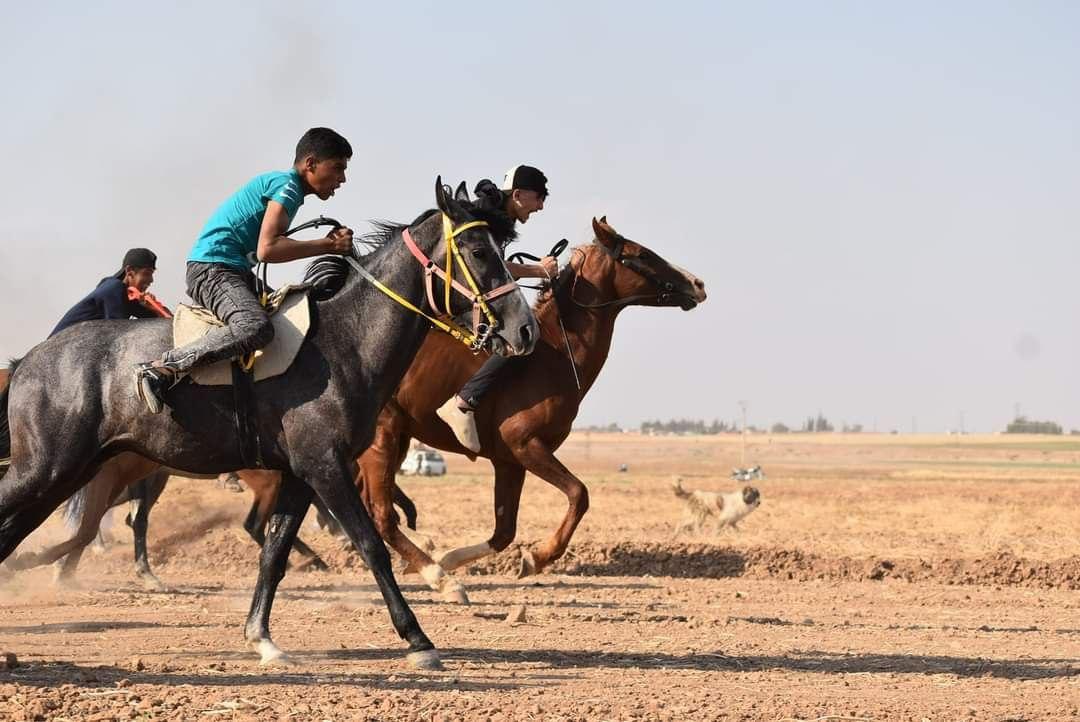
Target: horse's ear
462	193
601	227
603	232
441	199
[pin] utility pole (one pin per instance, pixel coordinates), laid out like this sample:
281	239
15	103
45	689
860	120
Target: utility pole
742	405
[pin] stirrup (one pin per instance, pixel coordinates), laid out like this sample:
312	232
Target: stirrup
151	383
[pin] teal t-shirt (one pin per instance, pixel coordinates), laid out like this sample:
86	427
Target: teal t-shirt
231	236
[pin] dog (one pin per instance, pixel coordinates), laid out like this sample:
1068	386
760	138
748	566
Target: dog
726	508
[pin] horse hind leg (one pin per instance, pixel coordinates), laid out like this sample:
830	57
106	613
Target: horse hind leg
314	561
101	493
95	504
141	502
290	507
31	492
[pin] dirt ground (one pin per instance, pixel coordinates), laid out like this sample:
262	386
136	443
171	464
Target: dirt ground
883	578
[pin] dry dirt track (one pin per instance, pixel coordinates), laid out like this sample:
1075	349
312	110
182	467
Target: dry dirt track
884	577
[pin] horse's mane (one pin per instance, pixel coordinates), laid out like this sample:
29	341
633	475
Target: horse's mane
327	274
559	285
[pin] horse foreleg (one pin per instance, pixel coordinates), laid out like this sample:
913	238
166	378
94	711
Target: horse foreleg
509	480
377	471
538	459
265	486
336	488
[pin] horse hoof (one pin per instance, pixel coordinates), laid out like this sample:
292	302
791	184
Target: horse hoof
270	655
528	565
27	560
427	659
149	581
455	594
66	582
281	660
314	564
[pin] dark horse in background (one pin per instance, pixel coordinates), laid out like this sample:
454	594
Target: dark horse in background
70	406
525	418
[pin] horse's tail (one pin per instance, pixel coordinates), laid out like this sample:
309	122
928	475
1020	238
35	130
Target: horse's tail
679	491
5	430
74	507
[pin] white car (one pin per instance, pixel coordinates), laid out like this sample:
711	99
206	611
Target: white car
424	462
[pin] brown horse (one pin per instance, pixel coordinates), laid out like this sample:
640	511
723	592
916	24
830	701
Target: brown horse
524	420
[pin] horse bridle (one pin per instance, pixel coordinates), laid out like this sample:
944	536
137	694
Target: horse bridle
481	332
664	289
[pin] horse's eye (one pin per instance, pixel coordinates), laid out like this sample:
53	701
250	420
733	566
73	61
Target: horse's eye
478	253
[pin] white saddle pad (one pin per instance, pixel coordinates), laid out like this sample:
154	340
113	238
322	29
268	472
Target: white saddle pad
291	318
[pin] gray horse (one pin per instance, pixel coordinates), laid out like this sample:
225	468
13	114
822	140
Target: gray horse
70	405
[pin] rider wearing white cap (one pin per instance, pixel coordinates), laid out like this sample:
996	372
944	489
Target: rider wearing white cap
523	192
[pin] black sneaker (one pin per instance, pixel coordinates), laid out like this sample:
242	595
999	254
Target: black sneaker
151	383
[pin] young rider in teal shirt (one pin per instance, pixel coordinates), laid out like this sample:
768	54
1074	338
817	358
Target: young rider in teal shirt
247	228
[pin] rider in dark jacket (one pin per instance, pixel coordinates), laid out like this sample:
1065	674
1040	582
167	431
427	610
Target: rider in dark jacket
111	298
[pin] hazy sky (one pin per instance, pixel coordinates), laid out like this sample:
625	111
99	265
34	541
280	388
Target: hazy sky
883	200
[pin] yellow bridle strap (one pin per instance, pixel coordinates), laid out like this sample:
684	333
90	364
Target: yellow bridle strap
453	329
451	234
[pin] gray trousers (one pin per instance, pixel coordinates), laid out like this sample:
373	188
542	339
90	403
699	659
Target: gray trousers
230	294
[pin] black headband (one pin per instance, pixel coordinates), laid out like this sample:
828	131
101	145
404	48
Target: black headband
139	258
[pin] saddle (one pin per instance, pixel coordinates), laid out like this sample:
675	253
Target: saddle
290	313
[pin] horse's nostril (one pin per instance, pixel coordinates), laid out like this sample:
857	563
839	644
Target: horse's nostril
698	283
526	334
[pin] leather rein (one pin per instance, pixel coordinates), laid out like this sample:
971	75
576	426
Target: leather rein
475	338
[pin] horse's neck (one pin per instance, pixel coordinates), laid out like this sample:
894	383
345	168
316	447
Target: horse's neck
588	331
374	337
